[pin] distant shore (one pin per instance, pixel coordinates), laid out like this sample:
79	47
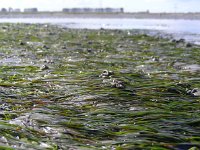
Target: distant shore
186	16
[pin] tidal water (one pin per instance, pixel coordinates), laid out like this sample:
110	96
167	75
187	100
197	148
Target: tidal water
187	29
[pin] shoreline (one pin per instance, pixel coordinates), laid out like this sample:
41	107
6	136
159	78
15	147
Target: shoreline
185	16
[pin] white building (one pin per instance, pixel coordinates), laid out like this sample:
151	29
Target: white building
30	10
93	10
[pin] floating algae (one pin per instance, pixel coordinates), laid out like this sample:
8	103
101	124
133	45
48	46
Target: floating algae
54	94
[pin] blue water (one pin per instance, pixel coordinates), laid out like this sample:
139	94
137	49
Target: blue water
188	29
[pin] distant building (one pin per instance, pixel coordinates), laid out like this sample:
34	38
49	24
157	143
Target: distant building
93	10
14	10
10	9
144	12
3	10
30	10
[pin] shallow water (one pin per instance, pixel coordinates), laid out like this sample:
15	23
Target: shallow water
187	29
56	95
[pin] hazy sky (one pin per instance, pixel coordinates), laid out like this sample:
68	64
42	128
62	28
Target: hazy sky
128	5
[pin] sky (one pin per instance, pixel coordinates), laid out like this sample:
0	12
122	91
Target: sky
128	5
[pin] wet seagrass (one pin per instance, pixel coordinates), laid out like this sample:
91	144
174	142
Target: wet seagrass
97	89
